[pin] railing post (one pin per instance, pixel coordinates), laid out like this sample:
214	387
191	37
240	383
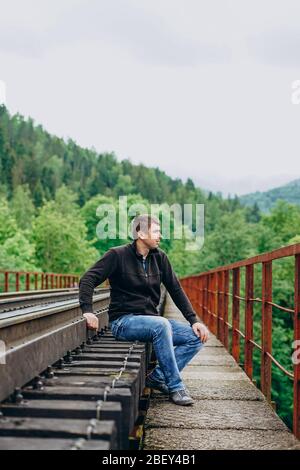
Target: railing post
214	303
36	281
27	277
196	291
201	293
266	339
296	412
210	320
208	301
249	291
206	315
235	314
220	289
226	291
6	283
199	297
17	282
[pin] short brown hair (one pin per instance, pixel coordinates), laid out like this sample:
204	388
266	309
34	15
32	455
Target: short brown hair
143	222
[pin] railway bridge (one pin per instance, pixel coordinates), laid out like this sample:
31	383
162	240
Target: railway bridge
63	387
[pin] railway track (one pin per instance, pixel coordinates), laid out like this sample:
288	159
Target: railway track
19	300
63	387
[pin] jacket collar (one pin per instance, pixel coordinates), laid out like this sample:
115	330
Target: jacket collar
134	248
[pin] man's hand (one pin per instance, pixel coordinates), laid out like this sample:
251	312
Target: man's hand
92	321
201	331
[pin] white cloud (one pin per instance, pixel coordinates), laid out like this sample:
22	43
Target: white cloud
193	87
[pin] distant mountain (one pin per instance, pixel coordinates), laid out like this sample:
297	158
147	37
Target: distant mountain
266	200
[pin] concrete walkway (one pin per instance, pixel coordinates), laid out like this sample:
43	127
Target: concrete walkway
229	411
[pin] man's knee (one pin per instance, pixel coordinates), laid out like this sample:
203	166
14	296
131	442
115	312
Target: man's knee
161	324
195	341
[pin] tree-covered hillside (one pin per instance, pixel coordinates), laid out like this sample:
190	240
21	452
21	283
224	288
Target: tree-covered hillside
266	200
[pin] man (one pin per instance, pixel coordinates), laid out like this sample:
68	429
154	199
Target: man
135	272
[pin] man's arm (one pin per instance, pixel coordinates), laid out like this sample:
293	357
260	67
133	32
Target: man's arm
97	274
173	286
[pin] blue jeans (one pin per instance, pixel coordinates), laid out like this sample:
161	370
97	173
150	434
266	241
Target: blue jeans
174	342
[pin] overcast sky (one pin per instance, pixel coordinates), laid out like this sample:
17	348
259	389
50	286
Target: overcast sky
201	89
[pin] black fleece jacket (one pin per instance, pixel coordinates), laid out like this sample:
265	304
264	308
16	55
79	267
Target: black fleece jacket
134	290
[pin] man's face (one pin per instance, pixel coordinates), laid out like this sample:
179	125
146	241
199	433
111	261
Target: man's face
152	237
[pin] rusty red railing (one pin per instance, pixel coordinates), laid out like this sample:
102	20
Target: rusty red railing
209	295
25	280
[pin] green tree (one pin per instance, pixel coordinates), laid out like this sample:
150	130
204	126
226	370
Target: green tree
18	253
22	206
8	224
60	239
